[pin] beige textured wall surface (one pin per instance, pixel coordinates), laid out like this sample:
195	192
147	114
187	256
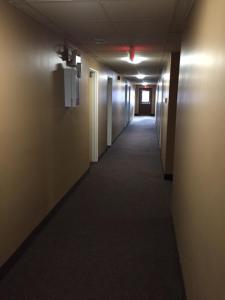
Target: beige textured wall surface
199	185
132	102
44	147
118	107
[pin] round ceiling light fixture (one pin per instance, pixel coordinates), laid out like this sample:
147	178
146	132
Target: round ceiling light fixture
136	60
132	58
140	76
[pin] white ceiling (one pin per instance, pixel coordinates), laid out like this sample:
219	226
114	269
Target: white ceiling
107	28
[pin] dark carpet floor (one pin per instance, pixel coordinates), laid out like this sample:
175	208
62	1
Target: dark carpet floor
113	237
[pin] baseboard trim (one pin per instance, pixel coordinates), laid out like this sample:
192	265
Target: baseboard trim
103	153
184	296
5	268
149	115
122	130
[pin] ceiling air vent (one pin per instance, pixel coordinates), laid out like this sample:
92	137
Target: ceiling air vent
100	41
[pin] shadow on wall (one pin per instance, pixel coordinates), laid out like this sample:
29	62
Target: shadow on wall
58	89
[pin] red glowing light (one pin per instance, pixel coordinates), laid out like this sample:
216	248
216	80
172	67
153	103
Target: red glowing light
132	53
131	49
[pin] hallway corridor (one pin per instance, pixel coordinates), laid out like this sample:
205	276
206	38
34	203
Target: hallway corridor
112	238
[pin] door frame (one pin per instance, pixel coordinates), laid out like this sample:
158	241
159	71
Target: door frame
109	111
93	81
150	98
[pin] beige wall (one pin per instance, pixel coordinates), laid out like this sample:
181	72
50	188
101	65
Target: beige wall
132	102
166	111
118	107
44	147
199	184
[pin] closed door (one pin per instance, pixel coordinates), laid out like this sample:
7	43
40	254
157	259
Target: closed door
145	95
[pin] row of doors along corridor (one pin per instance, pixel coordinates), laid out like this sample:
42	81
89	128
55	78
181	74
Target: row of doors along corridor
94	114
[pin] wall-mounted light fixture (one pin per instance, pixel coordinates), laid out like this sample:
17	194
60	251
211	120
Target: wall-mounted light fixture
72	73
71	57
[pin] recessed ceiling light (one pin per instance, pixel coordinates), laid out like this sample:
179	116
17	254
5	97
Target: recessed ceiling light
140	76
135	61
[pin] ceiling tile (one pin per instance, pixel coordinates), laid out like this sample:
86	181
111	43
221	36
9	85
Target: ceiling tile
139	10
60	12
151	26
89	31
181	12
142	30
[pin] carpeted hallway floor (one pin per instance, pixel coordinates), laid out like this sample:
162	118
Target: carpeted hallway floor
112	239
